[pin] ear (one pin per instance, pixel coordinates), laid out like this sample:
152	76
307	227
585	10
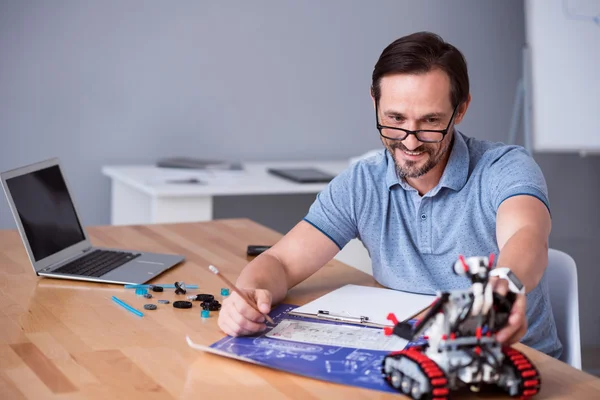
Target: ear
372	97
462	110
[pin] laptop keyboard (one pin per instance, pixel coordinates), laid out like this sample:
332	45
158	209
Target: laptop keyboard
96	263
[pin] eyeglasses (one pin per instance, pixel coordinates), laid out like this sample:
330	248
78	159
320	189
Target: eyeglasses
422	135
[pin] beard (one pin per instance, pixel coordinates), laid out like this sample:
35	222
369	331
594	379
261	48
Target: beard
411	169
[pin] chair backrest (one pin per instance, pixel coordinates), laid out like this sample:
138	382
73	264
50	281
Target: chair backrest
564	297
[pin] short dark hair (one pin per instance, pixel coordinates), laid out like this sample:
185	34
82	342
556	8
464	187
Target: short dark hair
420	53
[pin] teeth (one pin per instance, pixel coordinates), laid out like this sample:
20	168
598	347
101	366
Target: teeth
411	153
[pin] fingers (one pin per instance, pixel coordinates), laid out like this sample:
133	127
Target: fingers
237	326
517	323
238	318
500	286
263	299
518	334
244	309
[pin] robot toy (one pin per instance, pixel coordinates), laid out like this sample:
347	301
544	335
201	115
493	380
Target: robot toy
461	349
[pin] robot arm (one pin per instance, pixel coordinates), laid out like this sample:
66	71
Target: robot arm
409	332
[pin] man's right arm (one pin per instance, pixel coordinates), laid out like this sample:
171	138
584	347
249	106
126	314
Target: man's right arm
298	255
267	278
330	223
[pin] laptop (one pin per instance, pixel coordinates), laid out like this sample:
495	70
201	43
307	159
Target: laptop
57	244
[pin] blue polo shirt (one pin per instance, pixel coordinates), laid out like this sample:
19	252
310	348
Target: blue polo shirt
414	240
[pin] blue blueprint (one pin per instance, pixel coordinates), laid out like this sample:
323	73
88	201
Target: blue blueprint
348	366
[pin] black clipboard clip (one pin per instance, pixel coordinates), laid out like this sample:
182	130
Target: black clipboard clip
323	314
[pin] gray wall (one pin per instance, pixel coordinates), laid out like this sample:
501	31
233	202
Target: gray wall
125	82
121	82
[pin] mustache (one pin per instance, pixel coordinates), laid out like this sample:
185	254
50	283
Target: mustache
400	146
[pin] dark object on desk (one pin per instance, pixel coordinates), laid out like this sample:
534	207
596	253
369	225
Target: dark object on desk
254	250
184	181
202	297
180	288
182	304
211	305
302	175
197	163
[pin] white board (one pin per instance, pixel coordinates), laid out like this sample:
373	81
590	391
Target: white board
563	37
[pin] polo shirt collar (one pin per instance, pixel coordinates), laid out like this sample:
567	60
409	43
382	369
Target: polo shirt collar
457	170
454	176
391	177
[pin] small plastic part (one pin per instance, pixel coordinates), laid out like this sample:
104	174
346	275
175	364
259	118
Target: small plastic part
211	305
180	288
150	307
162	285
148	296
224	291
182	304
161	301
141	291
157	288
202	297
205	314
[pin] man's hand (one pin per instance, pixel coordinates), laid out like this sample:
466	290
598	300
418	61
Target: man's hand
517	321
237	318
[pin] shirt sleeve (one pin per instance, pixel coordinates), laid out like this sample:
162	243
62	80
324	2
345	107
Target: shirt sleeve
514	172
333	210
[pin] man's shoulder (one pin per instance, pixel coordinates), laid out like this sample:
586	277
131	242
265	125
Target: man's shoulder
370	158
369	164
484	153
363	172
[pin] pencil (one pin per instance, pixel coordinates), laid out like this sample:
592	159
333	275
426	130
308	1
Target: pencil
127	307
215	271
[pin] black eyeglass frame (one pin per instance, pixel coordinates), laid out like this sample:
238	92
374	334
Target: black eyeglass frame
407	132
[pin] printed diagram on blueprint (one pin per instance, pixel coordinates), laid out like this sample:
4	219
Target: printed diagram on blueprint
317	349
336	335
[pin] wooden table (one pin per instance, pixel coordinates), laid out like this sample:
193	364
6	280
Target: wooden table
68	340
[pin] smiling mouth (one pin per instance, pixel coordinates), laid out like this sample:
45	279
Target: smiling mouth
413	153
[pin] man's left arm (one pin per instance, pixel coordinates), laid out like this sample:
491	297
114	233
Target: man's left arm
523	225
522	228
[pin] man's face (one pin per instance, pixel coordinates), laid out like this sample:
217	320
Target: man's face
416	102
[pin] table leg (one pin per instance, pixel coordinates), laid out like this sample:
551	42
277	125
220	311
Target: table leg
182	209
129	206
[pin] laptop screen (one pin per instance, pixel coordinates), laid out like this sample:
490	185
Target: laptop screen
46	211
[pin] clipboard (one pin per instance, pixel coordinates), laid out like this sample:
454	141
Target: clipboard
365	305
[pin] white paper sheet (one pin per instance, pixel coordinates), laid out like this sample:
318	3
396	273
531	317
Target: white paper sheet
364	301
358	337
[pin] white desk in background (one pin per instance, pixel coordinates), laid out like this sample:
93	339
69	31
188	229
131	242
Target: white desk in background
141	195
147	194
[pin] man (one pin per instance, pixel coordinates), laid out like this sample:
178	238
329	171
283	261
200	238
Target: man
430	196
